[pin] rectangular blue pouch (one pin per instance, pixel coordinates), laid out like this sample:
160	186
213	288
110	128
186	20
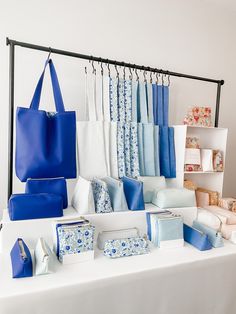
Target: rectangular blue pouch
197	238
52	186
21	260
35	206
134	193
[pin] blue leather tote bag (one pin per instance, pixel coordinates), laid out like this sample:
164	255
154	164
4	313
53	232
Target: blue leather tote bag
45	142
21	260
52	186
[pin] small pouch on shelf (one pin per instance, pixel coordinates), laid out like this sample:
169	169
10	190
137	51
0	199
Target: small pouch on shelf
44	258
218	160
116	193
115	235
213	195
134	193
82	199
226	216
165	229
150	185
126	247
226	202
215	237
101	196
202	199
74	240
174	198
207	159
192	156
52	186
21	260
197	238
35	206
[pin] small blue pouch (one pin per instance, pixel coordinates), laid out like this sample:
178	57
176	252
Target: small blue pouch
35	206
214	236
134	193
197	238
52	186
21	260
126	247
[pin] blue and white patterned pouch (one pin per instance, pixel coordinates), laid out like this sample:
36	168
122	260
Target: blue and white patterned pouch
126	247
101	196
74	238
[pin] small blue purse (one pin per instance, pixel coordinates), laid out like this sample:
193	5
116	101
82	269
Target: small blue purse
134	193
126	247
35	206
214	236
197	238
52	186
21	260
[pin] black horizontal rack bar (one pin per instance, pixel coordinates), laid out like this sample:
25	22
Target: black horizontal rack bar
13	43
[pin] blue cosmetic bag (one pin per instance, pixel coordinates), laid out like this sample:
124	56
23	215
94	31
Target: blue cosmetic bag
52	186
21	260
35	206
134	193
197	238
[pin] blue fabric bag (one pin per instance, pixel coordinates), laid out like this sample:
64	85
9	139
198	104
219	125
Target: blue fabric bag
167	152
160	104
21	260
134	193
197	238
45	142
35	206
214	236
52	186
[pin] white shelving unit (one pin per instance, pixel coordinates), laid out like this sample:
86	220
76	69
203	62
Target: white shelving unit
211	138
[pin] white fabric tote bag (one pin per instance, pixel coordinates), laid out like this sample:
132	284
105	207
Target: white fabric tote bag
96	139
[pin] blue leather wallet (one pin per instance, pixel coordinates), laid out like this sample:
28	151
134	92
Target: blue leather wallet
35	206
197	238
134	193
21	260
52	186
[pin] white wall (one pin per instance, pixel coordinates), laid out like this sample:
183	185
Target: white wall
189	36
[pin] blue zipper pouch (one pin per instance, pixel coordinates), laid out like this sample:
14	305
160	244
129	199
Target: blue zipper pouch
214	236
134	193
35	206
52	186
21	260
197	238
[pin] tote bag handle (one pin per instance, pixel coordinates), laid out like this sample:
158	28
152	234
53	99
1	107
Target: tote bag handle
56	89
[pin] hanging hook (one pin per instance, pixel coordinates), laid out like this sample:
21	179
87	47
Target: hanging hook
108	67
85	70
136	72
93	67
117	72
102	70
131	74
150	77
157	76
144	75
124	72
162	79
168	78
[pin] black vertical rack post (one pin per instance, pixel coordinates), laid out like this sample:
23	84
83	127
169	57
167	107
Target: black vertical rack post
13	43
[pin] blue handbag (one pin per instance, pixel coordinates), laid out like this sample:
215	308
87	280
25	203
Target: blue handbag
52	186
134	193
214	236
197	238
21	260
167	152
45	142
35	206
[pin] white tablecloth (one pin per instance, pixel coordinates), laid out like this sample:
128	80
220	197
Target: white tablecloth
174	281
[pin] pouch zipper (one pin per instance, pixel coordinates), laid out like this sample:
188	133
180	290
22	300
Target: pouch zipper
40	179
74	226
118	230
22	250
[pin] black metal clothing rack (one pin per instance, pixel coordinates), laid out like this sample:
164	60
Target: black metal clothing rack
13	43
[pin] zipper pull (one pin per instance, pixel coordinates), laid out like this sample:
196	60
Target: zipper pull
22	250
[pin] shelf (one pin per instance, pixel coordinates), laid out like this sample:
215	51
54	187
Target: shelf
204	127
202	172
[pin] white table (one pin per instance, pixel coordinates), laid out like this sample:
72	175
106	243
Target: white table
174	281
